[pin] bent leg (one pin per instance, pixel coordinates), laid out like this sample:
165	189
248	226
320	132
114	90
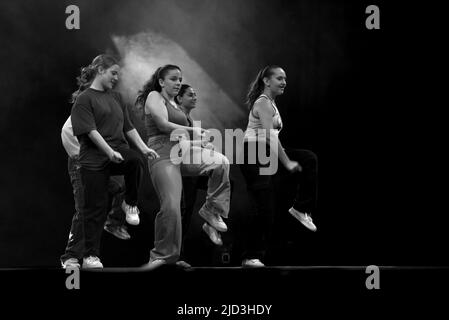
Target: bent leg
306	181
216	166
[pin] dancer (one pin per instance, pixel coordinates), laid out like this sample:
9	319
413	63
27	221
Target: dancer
116	217
186	100
264	125
100	121
163	119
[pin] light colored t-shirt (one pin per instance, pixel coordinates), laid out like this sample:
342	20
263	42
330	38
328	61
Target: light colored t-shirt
69	141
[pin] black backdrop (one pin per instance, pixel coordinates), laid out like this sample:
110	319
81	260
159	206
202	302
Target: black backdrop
352	97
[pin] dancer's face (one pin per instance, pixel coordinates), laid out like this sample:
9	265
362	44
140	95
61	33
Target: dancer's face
171	82
277	82
188	99
109	77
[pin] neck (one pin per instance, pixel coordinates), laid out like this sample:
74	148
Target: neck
269	94
167	96
96	84
186	110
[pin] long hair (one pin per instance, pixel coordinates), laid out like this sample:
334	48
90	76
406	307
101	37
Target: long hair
181	92
257	86
88	73
153	84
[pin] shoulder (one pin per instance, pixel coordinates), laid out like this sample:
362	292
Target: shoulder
263	105
154	95
155	99
84	97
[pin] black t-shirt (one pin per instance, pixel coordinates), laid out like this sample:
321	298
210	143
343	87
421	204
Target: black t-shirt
105	112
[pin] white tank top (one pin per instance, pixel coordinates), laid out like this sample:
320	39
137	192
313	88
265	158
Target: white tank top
252	133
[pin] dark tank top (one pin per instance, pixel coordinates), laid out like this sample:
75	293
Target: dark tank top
175	115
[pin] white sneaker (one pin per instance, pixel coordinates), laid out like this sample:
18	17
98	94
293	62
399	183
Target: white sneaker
252	263
71	263
213	234
92	262
132	213
304	218
214	220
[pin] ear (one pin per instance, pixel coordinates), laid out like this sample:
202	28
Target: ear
266	81
101	70
161	82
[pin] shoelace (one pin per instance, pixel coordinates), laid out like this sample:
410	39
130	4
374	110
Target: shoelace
132	210
92	259
254	261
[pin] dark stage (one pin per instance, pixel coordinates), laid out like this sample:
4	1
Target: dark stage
354	96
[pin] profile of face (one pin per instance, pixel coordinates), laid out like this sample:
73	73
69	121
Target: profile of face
171	82
109	76
276	82
188	99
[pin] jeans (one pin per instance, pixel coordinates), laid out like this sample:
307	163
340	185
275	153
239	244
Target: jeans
116	216
261	190
167	180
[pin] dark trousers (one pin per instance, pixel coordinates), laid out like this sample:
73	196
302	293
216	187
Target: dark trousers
95	191
261	191
190	187
116	216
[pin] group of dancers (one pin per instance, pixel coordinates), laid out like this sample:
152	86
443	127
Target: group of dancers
106	173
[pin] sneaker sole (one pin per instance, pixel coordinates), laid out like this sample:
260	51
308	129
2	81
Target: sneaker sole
218	228
71	267
85	267
121	237
304	223
218	242
252	267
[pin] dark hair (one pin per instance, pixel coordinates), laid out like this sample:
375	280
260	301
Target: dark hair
153	83
181	92
88	73
257	86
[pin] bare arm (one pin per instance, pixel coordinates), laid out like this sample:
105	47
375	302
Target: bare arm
264	111
155	106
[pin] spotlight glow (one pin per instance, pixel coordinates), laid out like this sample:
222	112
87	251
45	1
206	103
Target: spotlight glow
143	53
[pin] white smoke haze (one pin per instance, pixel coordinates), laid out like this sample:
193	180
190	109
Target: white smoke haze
143	53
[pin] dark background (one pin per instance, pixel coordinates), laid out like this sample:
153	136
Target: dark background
357	97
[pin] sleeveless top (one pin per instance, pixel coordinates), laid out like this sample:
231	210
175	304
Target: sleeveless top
175	115
252	133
